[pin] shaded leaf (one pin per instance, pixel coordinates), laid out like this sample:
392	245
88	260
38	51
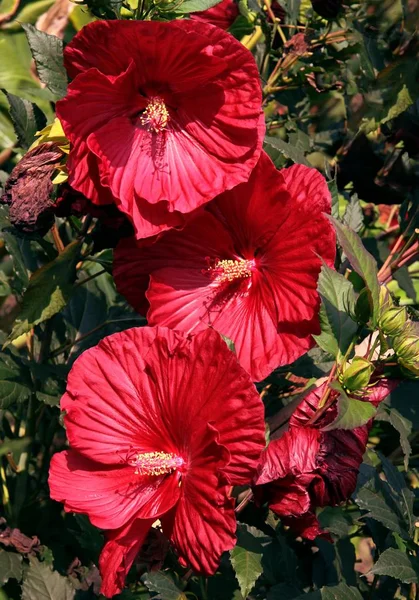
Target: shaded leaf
283	591
15	383
48	291
362	262
47	52
336	592
338	302
40	582
163	584
402	425
21	279
289	151
354	217
27	119
397	564
10	566
375	497
404	496
335	520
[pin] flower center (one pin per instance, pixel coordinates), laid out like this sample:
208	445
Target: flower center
156	463
230	270
155	116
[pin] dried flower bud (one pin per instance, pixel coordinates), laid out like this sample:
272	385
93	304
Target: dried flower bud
329	9
357	375
393	320
29	187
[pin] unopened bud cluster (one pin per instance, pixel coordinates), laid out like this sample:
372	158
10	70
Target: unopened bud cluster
403	333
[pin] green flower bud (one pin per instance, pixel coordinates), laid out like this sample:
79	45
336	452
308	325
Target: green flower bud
357	375
406	347
393	321
386	301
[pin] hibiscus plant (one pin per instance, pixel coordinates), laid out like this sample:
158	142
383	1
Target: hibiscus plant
209	299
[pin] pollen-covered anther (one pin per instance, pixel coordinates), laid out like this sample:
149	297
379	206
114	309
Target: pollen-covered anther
156	463
156	116
230	270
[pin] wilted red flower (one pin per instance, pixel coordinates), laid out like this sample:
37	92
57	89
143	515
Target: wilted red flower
161	117
29	187
247	266
309	466
222	14
160	426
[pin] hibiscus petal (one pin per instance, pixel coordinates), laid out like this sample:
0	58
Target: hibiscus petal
155	47
110	404
110	495
118	554
222	14
94	99
228	400
204	524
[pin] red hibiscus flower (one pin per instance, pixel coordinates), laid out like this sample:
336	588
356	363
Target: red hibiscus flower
222	14
247	266
161	117
308	467
160	426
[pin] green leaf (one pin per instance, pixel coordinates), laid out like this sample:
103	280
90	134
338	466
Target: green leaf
163	584
340	592
362	262
190	6
48	291
27	119
40	582
333	189
351	413
354	217
10	566
403	101
287	150
397	564
338	302
47	52
229	343
15	383
402	425
246	557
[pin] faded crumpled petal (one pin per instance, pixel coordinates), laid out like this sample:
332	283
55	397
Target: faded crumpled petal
29	188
